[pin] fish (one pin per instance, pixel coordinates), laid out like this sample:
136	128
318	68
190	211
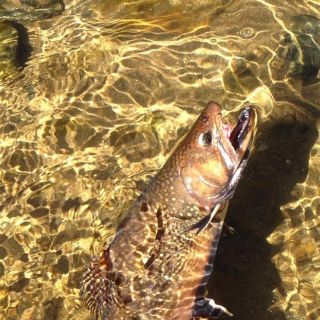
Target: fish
161	257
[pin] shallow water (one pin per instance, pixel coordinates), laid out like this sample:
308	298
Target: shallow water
94	96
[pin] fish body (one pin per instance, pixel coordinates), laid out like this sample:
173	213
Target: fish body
159	262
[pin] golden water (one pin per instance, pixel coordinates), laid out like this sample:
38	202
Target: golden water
106	92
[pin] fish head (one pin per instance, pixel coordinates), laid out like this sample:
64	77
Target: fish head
214	154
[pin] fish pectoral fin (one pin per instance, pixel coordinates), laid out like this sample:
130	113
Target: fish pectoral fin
204	222
200	225
207	308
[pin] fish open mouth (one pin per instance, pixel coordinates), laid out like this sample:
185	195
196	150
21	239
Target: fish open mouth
240	131
240	138
241	135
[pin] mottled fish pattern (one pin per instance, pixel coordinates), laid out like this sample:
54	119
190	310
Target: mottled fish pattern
159	262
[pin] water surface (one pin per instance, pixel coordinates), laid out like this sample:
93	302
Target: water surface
93	97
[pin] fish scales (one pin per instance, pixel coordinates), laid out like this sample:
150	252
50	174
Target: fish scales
159	262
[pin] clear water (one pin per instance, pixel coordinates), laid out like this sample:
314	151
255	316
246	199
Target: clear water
93	97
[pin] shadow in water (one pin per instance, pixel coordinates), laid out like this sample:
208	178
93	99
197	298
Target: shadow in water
244	276
24	49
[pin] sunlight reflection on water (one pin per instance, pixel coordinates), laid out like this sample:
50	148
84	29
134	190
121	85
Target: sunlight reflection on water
95	111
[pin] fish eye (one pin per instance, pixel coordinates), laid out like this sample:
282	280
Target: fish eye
204	118
205	139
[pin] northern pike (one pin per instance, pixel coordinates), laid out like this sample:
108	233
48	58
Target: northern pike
159	262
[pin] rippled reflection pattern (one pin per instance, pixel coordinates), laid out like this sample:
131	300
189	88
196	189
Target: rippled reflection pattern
108	89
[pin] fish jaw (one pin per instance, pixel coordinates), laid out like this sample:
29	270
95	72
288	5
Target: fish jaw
216	154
